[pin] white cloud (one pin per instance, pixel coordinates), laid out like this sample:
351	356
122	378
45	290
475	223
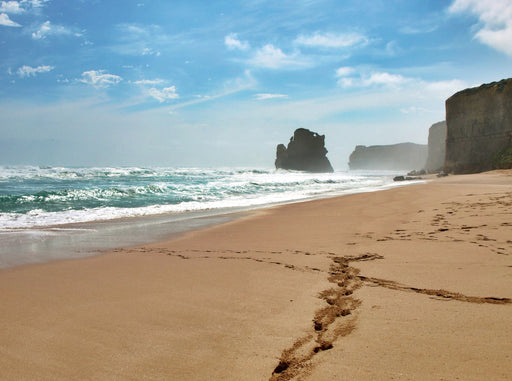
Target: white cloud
343	74
495	18
264	96
347	82
150	52
98	78
331	40
383	78
161	95
271	57
6	21
17	7
28	71
34	3
49	29
42	31
348	77
447	88
12	7
232	42
344	71
149	82
164	94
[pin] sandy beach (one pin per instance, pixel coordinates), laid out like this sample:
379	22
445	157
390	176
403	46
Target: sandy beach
410	283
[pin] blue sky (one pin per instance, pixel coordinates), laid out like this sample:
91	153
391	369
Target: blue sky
221	83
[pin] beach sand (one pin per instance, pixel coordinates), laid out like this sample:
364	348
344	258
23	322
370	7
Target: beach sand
411	283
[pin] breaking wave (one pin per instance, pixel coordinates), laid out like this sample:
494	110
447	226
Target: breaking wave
33	196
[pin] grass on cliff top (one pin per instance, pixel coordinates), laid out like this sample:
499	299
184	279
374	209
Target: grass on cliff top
503	159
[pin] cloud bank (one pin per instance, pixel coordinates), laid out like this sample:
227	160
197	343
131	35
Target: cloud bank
495	21
348	77
12	7
15	8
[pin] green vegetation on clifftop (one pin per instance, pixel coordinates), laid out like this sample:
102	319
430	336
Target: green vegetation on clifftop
503	159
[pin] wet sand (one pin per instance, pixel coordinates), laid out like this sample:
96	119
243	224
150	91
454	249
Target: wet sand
410	283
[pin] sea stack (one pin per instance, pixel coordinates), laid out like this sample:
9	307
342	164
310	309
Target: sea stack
305	152
479	127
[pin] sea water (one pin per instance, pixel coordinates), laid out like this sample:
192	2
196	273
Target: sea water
54	212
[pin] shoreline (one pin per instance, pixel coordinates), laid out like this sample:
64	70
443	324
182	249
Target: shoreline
375	285
258	188
81	240
41	244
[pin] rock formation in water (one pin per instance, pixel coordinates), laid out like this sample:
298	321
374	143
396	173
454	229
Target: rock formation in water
436	147
479	127
403	156
305	152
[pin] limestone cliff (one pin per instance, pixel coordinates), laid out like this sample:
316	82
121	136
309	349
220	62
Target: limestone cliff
305	152
436	147
403	156
479	126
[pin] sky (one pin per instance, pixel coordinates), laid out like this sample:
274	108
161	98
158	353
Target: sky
220	83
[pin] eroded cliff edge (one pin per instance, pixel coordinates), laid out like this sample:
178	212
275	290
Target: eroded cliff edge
479	126
403	156
436	147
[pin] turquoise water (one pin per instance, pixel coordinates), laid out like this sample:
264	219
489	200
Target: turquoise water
38	197
49	213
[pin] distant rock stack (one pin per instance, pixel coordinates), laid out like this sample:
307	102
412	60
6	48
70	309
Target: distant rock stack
436	147
401	156
305	152
479	127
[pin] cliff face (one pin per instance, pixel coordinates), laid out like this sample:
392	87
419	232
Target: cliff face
403	156
436	147
479	126
305	152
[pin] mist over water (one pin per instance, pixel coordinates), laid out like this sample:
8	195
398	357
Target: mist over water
49	213
37	197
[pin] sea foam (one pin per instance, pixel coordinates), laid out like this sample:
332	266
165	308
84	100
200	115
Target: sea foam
40	197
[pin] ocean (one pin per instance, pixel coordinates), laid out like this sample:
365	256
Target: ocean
57	212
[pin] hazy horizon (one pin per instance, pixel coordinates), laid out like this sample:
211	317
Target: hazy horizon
193	83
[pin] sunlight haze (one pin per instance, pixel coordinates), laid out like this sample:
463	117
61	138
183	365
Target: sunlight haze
213	83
